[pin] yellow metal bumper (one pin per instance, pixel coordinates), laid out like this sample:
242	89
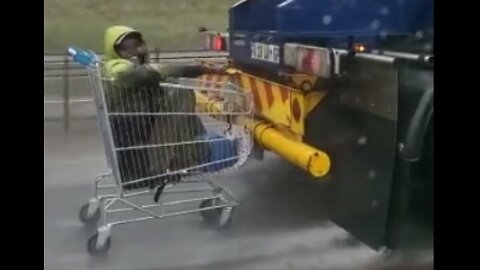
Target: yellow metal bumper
314	161
277	103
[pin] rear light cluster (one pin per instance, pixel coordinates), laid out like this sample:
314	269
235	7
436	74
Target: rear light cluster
215	41
218	43
308	59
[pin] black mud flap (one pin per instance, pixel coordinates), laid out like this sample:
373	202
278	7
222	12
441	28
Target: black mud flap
356	124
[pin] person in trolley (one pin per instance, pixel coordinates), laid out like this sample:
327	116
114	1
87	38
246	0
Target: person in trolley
133	86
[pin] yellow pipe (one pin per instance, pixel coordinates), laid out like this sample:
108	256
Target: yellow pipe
316	162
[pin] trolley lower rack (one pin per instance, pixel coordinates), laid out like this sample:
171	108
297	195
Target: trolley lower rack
214	203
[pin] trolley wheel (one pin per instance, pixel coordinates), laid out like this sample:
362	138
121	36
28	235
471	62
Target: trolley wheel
85	218
214	216
98	251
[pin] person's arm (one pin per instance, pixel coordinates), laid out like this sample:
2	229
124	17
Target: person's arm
186	71
129	73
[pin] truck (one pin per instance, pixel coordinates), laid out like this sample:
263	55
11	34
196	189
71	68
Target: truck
344	90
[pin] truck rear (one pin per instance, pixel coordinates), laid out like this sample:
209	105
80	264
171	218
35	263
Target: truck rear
344	90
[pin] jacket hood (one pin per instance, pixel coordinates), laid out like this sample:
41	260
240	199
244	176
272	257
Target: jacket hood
113	35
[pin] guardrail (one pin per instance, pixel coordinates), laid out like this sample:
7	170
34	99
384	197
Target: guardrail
62	66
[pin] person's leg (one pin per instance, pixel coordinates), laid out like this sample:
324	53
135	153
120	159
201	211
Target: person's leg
131	162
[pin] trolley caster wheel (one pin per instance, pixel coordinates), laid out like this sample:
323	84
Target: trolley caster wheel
225	219
95	250
86	218
347	241
220	218
386	252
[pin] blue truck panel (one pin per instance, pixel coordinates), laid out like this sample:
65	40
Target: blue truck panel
327	23
325	16
253	16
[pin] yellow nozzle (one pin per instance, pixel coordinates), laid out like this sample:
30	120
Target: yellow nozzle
316	162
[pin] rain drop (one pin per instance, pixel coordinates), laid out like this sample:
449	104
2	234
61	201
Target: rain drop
362	140
375	24
327	19
419	34
384	11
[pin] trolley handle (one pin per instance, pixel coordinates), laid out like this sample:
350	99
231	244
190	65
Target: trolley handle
83	57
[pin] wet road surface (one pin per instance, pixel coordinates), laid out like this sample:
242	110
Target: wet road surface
280	223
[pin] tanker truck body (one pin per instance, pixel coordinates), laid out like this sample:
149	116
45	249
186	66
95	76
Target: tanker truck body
344	90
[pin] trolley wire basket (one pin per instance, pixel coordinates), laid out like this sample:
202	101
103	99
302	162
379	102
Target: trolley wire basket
161	144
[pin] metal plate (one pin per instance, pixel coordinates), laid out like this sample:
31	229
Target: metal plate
361	143
265	52
369	87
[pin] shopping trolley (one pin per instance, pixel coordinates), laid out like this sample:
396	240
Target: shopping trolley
161	147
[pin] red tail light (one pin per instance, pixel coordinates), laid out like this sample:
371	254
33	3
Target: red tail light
311	61
218	43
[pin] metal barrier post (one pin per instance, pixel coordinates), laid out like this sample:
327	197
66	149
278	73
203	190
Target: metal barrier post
157	54
66	95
